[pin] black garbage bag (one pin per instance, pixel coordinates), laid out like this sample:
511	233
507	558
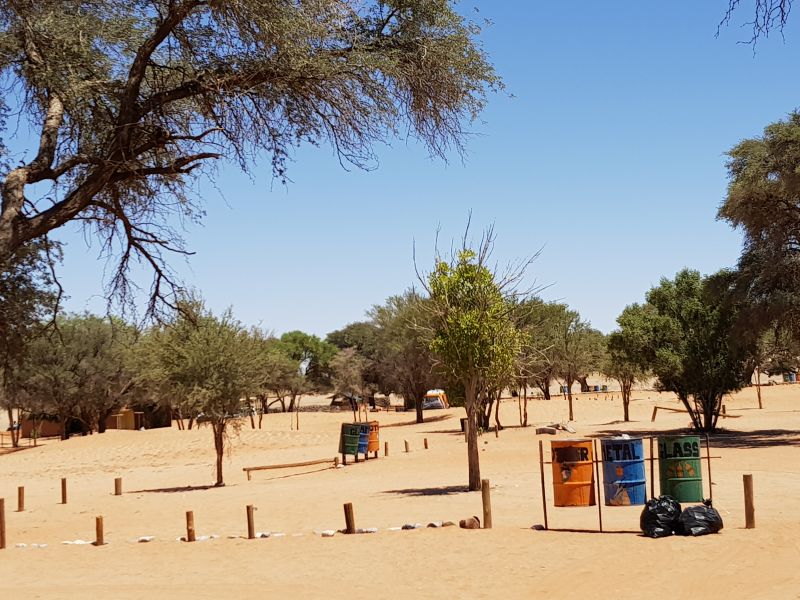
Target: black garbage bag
660	517
699	520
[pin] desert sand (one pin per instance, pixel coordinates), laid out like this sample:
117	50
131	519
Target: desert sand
165	472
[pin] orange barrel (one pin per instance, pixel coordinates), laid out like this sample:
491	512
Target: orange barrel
573	473
374	444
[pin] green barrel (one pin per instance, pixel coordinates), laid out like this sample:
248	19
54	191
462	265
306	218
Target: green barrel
679	467
348	442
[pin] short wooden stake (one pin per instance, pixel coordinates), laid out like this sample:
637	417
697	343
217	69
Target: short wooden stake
189	526
20	499
98	527
251	527
541	473
749	508
349	519
63	490
597	483
406	443
2	523
386	448
118	486
487	504
335	464
426	443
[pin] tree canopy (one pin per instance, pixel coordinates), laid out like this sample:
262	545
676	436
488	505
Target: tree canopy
134	99
683	334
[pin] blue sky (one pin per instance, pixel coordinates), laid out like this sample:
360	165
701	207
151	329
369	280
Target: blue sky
609	157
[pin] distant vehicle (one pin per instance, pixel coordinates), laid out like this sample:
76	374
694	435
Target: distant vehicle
435	399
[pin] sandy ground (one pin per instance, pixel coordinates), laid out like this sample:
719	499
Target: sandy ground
165	472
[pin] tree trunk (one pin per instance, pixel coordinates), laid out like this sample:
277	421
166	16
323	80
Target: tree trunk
473	458
626	399
64	434
14	430
525	406
218	427
584	384
251	412
519	406
758	387
569	398
497	424
544	385
191	422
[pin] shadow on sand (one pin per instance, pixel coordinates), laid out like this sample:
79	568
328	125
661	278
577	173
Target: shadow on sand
447	490
435	419
173	490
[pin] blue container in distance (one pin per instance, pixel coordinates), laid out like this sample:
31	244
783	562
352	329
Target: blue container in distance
793	377
564	389
363	438
623	471
597	388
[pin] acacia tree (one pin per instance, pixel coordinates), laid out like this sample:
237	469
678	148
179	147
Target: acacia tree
624	347
133	99
29	301
208	359
474	338
403	357
762	203
686	326
576	352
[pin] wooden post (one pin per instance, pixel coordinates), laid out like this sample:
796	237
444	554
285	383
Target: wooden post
98	527
386	448
2	523
189	526
758	387
20	499
251	527
63	490
541	472
597	484
335	464
487	504
708	461
118	486
349	519
655	411
406	443
426	443
652	469
749	508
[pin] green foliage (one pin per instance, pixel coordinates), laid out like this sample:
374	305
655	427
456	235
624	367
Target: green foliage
80	371
762	202
683	334
134	99
403	360
474	336
210	361
313	354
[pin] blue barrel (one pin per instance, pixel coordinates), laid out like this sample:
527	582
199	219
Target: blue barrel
363	438
564	389
793	377
597	388
623	471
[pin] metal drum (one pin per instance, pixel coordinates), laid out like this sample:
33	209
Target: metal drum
624	481
374	443
679	467
573	473
348	441
363	438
